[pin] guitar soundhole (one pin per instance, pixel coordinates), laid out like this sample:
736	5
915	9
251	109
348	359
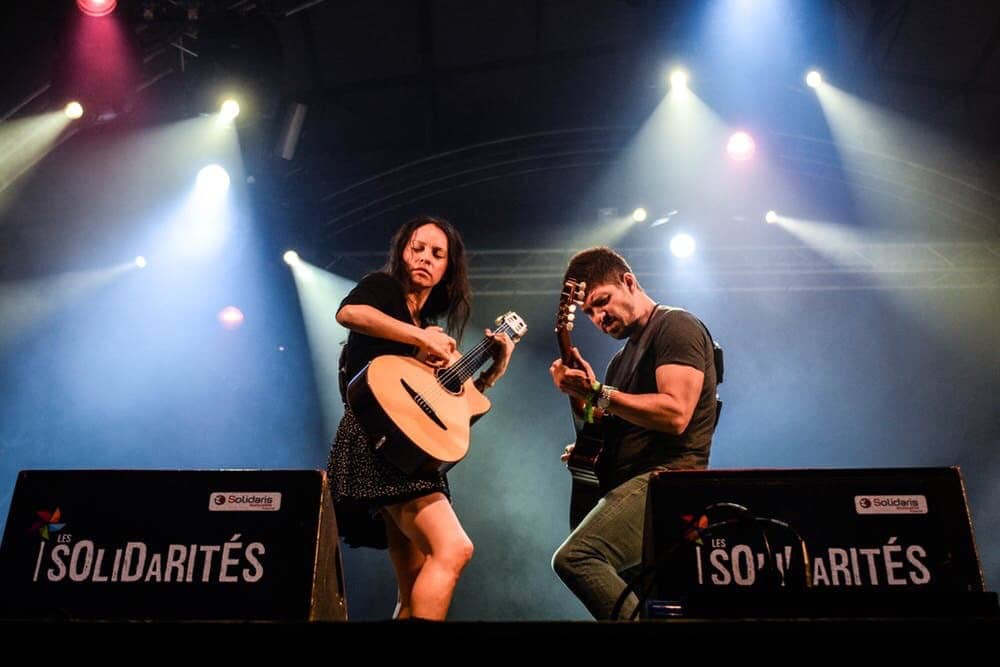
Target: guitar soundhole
450	381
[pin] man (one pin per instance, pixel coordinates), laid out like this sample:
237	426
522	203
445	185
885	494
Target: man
660	391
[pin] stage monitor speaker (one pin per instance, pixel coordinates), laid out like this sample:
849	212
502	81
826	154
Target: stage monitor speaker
729	536
172	545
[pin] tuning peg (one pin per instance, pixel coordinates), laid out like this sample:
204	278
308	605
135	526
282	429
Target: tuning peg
572	307
571	317
569	326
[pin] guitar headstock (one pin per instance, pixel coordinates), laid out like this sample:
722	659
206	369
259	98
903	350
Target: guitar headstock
571	297
514	322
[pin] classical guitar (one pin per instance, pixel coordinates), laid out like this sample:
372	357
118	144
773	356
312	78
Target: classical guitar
585	460
419	417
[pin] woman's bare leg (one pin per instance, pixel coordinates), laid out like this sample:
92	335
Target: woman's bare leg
430	523
407	560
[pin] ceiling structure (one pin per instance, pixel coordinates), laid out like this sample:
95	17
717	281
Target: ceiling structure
499	115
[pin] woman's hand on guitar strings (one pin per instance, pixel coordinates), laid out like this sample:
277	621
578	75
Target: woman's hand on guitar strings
436	348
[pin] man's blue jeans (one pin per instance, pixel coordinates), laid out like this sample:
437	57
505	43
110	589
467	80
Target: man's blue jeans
606	543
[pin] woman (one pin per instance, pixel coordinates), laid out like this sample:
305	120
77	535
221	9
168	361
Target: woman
391	312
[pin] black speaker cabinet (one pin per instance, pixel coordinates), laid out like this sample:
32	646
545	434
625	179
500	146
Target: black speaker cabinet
821	537
172	545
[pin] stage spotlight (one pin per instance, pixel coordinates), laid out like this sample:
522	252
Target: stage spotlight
290	257
814	78
771	217
140	261
230	110
741	146
96	7
639	214
73	110
682	245
212	180
230	317
678	79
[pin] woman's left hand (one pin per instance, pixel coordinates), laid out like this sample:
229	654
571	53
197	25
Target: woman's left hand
501	350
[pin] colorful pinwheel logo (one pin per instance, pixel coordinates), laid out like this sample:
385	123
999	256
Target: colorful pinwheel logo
693	527
47	523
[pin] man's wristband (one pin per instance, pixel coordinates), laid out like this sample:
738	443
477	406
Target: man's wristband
588	406
603	401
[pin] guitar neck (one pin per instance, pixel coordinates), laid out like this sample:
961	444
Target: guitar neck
572	296
471	361
566	349
566	353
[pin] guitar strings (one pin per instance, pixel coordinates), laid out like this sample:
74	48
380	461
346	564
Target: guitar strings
467	364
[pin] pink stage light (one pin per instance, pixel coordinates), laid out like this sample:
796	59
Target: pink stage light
741	146
97	7
230	317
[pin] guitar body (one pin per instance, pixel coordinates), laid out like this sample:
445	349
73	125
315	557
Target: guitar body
414	422
584	465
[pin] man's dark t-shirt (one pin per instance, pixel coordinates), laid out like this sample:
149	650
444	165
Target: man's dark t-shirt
680	339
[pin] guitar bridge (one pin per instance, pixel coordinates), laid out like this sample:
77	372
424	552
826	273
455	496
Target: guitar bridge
419	400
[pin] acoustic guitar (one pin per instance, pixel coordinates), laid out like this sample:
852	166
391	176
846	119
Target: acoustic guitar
418	417
585	460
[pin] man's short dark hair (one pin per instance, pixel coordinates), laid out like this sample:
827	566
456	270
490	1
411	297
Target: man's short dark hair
597	266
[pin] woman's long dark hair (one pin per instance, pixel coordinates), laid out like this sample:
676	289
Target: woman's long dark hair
451	296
